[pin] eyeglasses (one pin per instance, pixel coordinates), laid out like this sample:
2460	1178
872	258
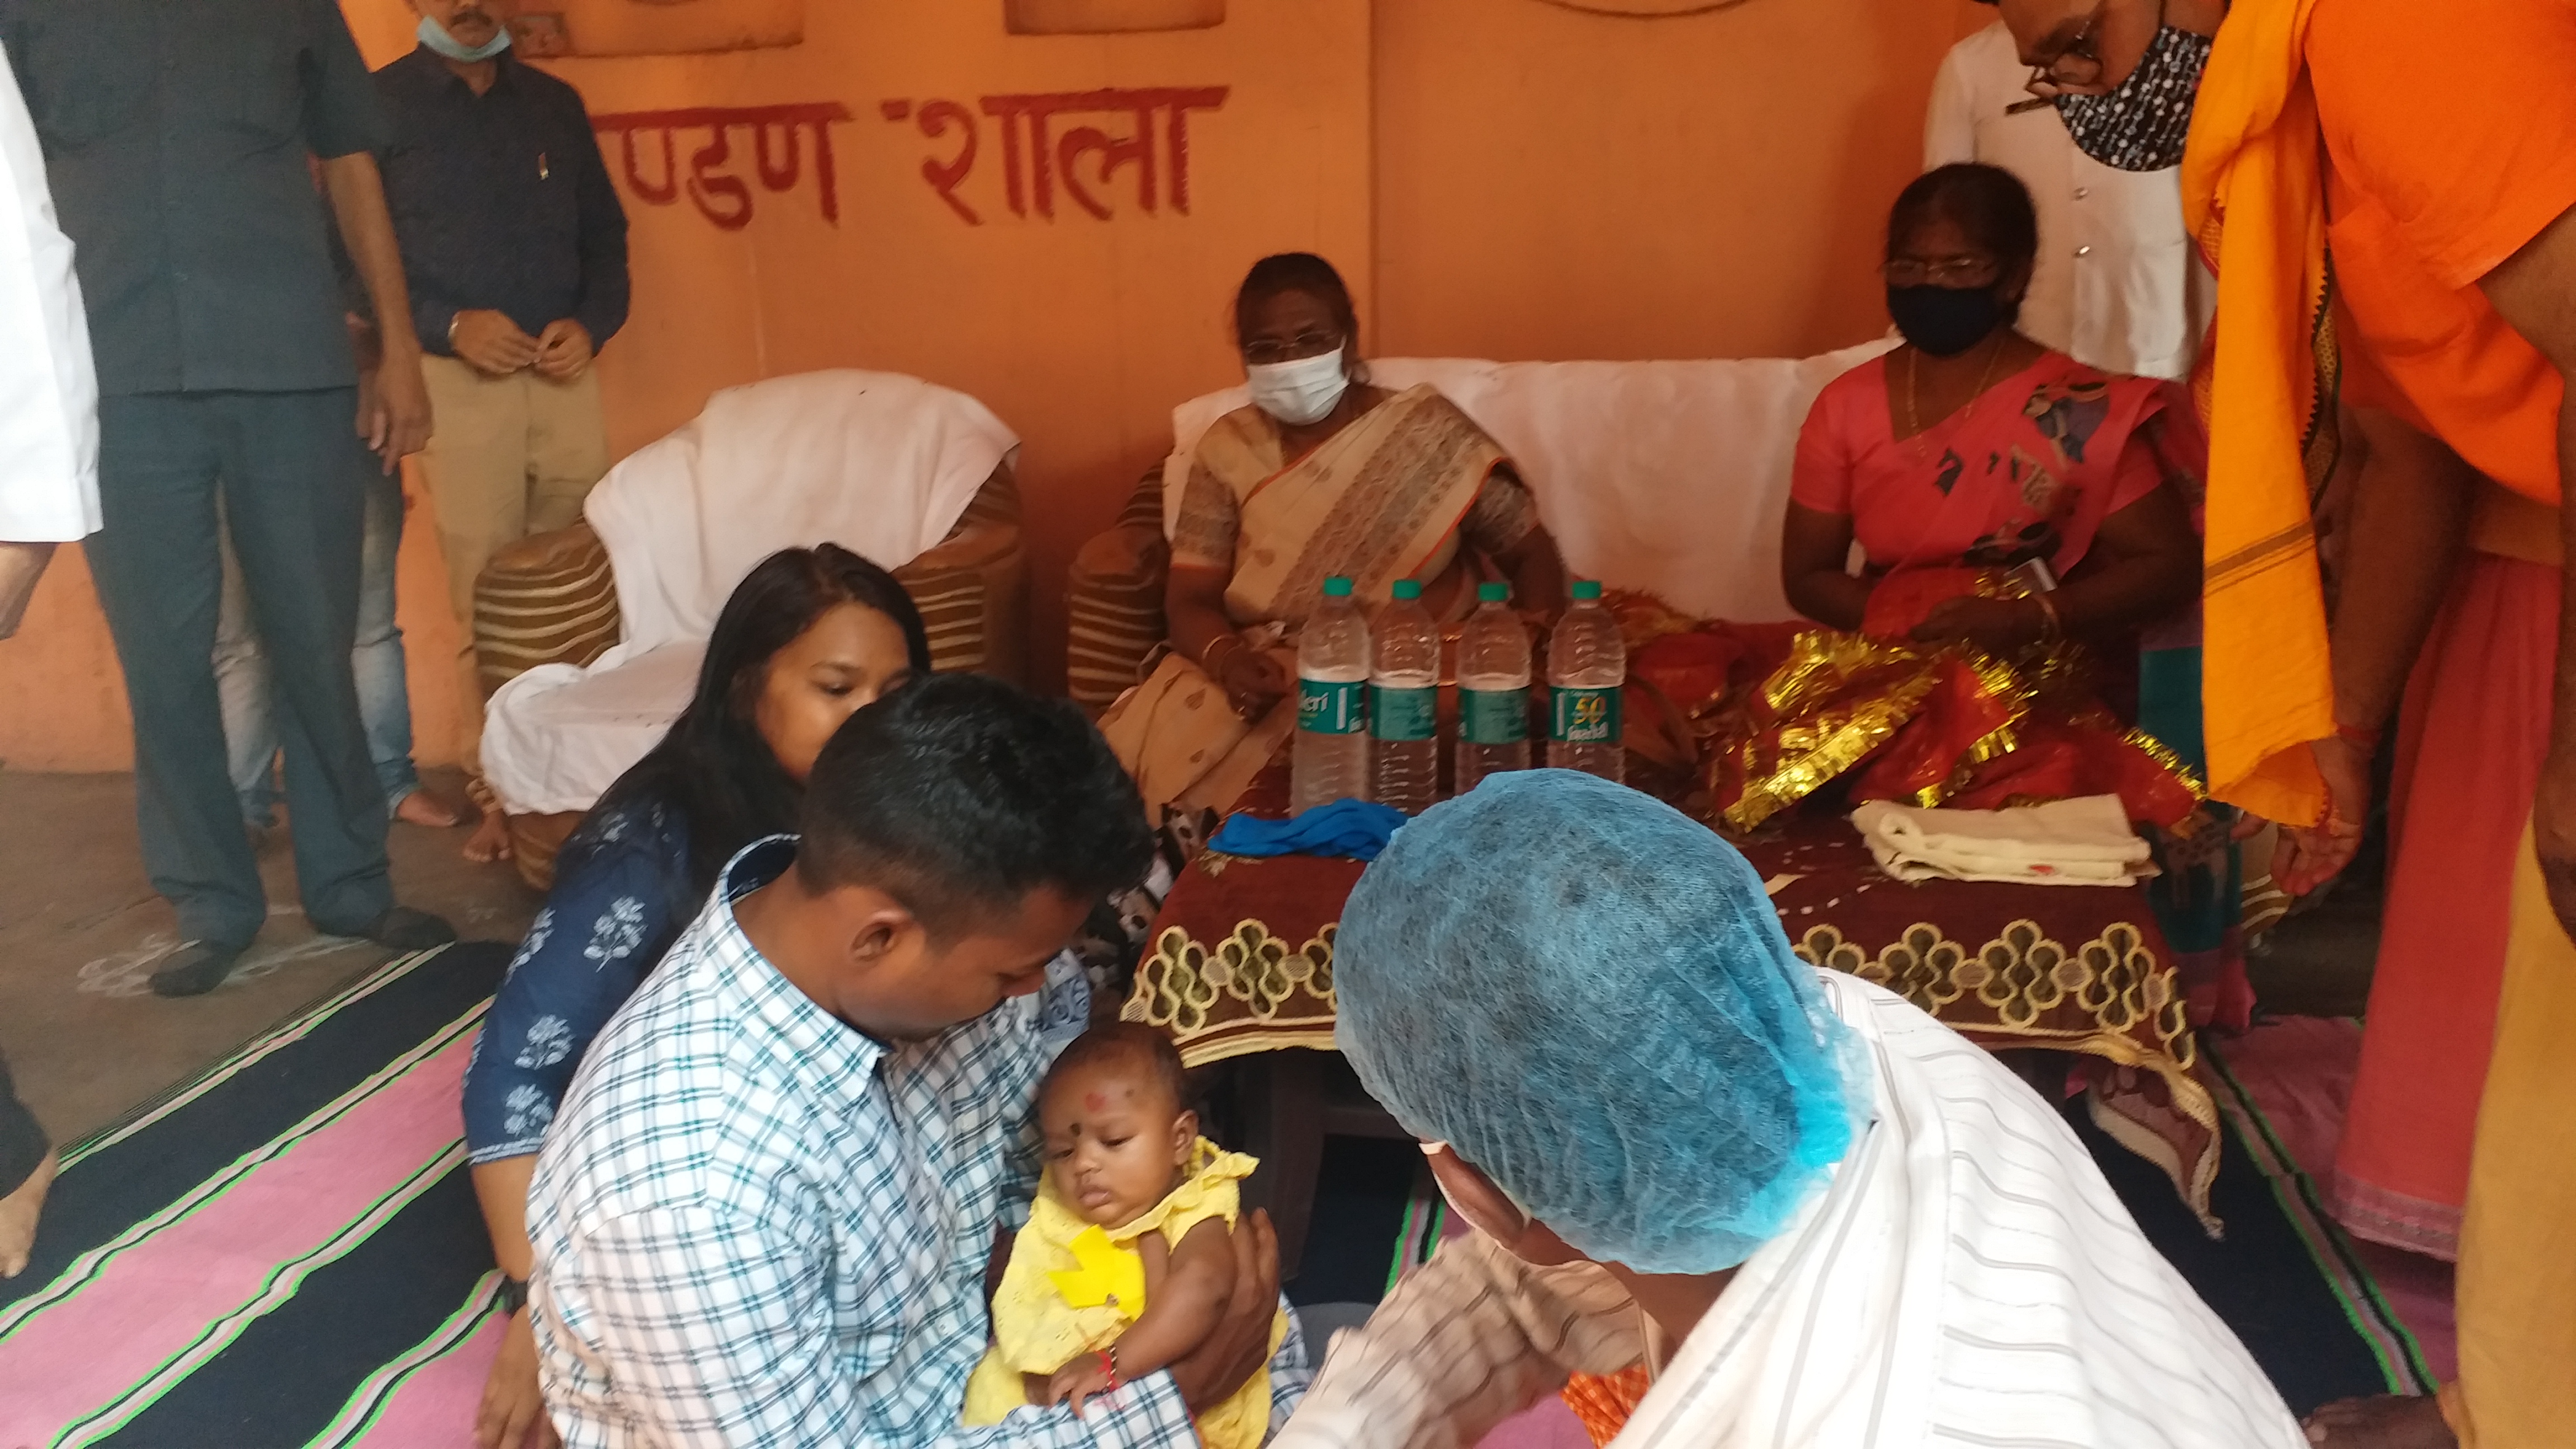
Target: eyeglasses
1262	351
1947	272
2078	62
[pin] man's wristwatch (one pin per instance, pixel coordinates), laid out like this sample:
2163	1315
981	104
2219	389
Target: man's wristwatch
512	1297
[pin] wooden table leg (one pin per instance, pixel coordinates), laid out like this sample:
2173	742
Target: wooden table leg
1284	1126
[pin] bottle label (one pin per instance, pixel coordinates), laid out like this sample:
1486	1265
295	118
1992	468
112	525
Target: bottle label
1403	714
1493	716
1585	717
1325	708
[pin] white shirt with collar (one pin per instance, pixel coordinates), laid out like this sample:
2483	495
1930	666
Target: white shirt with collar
48	392
2119	285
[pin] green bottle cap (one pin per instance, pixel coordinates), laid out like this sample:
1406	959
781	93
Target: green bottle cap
1337	587
1407	588
1493	593
1587	588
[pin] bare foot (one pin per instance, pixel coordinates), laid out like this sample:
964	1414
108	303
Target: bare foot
490	840
18	1218
420	807
2382	1423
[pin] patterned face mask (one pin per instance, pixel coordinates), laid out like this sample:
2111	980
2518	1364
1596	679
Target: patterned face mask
2142	125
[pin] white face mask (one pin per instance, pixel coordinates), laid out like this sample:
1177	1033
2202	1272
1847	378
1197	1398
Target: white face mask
1299	392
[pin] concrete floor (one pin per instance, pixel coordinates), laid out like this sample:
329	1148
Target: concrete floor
80	930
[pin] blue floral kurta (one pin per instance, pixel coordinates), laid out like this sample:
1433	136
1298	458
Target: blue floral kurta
622	894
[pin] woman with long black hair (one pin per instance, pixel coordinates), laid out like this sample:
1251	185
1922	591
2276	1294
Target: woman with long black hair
808	638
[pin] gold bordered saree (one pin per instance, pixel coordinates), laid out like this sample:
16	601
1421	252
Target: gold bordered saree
1379	501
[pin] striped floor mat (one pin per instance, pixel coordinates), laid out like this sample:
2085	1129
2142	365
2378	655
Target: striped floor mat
2339	1266
286	1252
283	1252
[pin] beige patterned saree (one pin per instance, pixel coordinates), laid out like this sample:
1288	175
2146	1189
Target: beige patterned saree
1381	500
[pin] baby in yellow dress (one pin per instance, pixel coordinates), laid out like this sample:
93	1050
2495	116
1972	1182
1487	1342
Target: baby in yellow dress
1125	1265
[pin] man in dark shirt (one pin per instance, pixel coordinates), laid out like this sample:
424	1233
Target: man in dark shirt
175	135
515	249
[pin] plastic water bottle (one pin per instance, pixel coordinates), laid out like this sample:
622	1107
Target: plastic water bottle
1493	690
1587	663
1331	757
1404	704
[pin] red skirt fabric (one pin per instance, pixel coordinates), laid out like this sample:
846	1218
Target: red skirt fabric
2475	730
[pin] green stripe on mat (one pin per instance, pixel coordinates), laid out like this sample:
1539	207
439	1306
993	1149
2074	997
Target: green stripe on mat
89	1265
357	1418
2400	1357
279	1286
294	1029
1417	1237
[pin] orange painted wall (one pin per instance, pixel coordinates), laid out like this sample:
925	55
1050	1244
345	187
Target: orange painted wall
1502	178
1557	184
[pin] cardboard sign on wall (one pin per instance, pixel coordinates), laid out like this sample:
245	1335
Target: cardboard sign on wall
654	27
1109	17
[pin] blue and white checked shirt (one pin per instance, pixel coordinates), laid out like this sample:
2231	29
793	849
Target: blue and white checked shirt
756	1227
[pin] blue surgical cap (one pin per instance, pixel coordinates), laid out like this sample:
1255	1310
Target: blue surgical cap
1586	993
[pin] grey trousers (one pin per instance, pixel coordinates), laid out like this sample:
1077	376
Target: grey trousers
290	472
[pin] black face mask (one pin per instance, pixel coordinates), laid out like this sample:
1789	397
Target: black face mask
2142	124
1945	321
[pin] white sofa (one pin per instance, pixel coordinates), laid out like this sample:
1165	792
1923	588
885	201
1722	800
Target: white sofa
883	464
1665	477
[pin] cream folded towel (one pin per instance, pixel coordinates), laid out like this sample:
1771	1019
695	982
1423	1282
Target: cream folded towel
2085	841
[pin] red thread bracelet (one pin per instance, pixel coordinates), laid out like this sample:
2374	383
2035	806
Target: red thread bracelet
2368	740
1109	1362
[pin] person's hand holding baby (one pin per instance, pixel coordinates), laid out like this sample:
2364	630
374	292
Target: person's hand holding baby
1120	1142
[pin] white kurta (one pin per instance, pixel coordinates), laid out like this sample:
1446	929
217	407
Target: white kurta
1968	1278
48	392
2118	285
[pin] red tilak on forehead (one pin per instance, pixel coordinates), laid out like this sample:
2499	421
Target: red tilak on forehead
1096	1101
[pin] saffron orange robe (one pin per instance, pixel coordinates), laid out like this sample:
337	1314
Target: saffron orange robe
2423	146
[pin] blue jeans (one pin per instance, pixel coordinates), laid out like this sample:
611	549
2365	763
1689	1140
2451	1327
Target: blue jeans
384	698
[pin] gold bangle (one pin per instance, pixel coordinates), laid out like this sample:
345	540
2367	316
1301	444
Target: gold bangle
1208	657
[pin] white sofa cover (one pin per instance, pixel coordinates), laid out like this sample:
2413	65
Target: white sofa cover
880	463
1667	477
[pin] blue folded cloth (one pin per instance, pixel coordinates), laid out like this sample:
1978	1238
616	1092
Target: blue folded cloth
1353	828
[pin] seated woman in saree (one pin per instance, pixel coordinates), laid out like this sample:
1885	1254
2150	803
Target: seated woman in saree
1973	447
1807	1212
2030	566
808	638
1322	475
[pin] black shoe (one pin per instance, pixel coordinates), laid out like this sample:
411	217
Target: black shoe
401	928
199	967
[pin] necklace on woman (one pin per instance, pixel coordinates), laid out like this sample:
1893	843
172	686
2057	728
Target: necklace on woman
1913	419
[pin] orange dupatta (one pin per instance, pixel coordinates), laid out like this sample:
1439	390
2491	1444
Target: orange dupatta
2253	183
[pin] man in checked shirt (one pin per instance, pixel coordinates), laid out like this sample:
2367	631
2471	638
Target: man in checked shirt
763	1215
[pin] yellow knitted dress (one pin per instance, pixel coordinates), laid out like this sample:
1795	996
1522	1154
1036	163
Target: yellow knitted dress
1072	1288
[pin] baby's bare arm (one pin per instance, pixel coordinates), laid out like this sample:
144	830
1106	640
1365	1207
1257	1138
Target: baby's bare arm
1184	1298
